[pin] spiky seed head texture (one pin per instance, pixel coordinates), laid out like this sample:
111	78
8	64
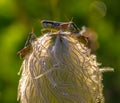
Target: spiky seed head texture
60	69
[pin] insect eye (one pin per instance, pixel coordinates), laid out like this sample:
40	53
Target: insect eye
44	24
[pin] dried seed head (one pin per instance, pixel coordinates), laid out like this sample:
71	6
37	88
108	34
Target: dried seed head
60	69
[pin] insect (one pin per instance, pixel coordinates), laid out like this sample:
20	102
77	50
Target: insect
86	35
28	46
55	26
89	37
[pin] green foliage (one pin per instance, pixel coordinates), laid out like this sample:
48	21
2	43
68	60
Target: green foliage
18	17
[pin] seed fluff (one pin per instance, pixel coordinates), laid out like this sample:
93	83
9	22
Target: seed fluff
60	69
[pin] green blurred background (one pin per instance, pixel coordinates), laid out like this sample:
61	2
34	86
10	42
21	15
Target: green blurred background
18	17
